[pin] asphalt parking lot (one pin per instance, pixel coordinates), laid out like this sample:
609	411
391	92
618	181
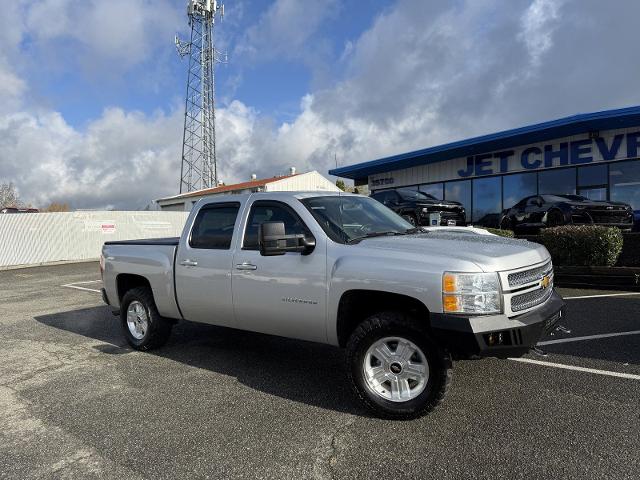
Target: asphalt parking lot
75	402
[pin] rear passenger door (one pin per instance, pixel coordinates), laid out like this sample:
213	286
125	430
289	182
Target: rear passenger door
203	266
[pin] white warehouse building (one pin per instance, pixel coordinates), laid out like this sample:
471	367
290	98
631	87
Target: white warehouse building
310	181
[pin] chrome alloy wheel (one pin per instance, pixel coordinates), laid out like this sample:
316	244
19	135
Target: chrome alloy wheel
396	369
137	320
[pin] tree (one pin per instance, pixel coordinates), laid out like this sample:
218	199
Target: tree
340	184
9	196
57	207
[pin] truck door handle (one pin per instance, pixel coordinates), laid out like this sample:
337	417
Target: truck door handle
188	263
245	266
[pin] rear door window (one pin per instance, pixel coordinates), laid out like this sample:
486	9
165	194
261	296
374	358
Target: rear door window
213	227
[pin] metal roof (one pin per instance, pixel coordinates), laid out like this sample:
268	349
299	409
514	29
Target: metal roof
563	127
229	188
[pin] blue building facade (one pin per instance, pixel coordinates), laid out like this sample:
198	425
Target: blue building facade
595	155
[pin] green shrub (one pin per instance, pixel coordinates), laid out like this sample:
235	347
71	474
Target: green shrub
502	233
583	245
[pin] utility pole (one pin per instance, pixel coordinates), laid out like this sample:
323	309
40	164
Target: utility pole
199	168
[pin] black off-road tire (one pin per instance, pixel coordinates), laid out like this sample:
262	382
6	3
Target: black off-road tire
397	324
159	328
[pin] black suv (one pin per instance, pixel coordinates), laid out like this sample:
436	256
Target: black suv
415	207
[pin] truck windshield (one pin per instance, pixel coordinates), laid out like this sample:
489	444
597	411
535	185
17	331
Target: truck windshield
347	218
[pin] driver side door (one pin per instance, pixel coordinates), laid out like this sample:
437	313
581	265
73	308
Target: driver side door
282	294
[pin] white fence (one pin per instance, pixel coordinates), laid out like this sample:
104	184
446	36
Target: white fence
35	238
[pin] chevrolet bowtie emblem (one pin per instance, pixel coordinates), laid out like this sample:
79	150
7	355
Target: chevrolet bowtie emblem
545	282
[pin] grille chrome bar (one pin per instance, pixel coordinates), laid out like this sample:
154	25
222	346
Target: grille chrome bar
530	299
518	279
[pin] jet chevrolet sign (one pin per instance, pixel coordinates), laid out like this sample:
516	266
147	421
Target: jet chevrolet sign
566	153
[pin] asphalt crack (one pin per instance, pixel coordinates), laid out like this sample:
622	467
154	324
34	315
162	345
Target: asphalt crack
329	451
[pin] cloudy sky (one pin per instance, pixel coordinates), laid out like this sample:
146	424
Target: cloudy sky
91	91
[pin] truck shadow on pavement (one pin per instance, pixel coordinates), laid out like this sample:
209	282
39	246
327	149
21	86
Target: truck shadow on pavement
305	372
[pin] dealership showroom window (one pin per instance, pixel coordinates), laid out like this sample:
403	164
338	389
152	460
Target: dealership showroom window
618	181
594	155
493	194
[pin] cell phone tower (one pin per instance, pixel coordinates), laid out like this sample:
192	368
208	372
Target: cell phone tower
199	166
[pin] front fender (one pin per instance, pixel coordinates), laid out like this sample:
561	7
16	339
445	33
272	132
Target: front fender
396	272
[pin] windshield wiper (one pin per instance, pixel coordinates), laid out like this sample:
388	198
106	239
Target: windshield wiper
375	234
415	230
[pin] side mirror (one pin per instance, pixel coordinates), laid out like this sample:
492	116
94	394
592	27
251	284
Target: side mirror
274	241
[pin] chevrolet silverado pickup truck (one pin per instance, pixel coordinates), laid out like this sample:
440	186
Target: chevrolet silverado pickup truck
344	270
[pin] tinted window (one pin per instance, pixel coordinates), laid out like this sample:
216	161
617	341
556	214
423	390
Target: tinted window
516	187
213	227
486	201
271	212
459	191
624	183
408	194
563	198
434	190
557	181
387	197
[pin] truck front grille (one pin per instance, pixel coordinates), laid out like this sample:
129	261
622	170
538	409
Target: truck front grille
524	277
530	299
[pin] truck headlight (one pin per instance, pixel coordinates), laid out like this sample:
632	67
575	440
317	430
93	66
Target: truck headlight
475	293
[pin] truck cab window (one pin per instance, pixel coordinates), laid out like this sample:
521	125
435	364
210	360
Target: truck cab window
213	227
271	212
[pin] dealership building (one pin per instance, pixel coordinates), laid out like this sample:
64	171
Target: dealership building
595	155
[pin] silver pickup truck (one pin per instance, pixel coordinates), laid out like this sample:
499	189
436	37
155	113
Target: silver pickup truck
344	270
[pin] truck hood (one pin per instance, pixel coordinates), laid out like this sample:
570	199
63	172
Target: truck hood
489	252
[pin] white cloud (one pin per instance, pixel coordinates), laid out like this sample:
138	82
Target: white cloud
123	159
285	29
538	24
105	31
11	88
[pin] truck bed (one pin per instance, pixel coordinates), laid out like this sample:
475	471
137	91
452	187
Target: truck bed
170	241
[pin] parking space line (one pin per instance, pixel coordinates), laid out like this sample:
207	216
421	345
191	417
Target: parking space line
624	294
628	376
76	287
590	337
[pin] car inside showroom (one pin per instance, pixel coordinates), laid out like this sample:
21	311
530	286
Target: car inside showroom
580	158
